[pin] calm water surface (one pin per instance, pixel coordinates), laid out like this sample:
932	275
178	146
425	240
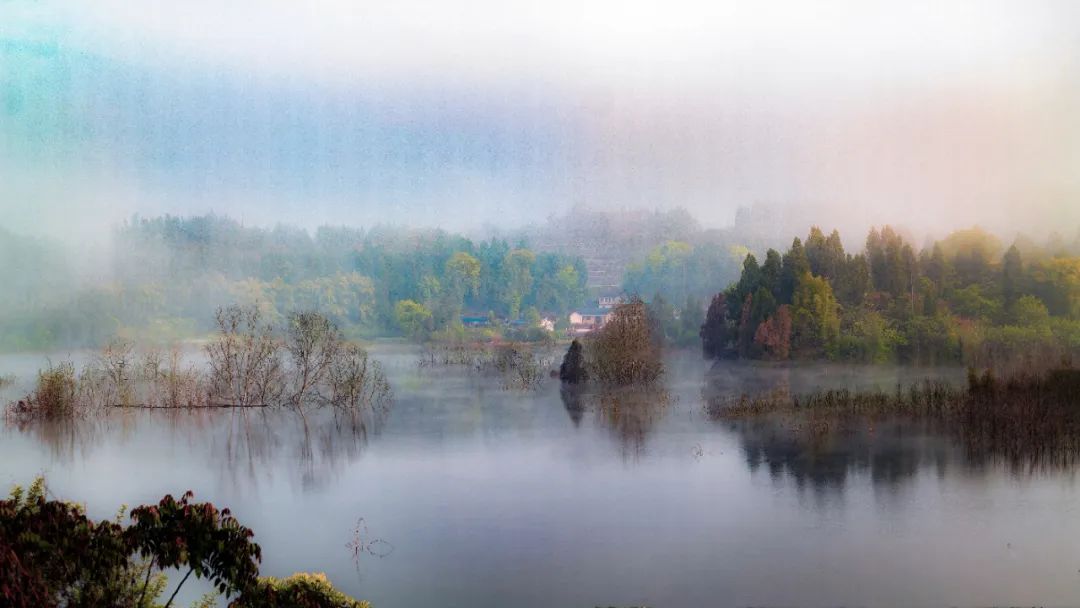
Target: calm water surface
488	497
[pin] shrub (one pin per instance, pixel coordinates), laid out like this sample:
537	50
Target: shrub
55	395
301	590
573	369
625	351
519	366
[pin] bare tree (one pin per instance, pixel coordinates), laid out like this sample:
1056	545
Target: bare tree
354	380
168	383
115	367
313	344
245	361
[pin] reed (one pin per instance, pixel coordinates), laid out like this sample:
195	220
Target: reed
1027	417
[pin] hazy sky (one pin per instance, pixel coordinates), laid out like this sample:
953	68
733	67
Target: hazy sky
460	113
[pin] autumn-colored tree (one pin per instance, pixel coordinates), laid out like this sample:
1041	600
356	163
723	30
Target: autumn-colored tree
625	351
773	336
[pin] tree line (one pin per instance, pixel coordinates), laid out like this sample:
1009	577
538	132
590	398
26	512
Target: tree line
959	299
167	275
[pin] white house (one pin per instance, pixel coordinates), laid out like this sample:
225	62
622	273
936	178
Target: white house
588	320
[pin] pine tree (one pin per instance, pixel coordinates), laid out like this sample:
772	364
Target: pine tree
715	332
772	273
795	265
1012	273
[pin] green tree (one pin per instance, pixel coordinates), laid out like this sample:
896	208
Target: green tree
1029	311
691	318
1057	283
795	266
937	268
413	318
854	282
971	253
772	273
664	318
749	282
1012	276
517	269
463	275
716	330
815	314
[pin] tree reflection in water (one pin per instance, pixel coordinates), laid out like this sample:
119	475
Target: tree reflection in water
630	413
820	446
890	453
246	443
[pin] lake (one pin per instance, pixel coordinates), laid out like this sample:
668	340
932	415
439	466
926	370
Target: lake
467	494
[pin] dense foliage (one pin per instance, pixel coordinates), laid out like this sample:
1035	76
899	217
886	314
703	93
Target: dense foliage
166	276
52	554
627	349
958	299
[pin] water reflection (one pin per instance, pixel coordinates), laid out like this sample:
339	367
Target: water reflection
823	450
243	445
573	401
630	414
580	497
889	453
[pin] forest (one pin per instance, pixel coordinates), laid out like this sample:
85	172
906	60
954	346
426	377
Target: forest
161	278
167	275
964	298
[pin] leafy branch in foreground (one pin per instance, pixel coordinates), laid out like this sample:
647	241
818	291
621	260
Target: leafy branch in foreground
52	554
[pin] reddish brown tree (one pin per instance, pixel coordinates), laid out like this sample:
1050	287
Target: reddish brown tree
774	335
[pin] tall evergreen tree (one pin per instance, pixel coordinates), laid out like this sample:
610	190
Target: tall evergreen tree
772	273
1012	273
749	281
715	332
815	251
795	265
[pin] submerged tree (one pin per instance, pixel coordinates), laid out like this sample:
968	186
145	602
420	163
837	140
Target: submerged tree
245	365
625	350
313	344
572	370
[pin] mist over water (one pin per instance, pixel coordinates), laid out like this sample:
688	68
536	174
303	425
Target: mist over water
459	189
487	497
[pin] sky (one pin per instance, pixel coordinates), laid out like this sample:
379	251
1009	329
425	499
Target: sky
931	115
